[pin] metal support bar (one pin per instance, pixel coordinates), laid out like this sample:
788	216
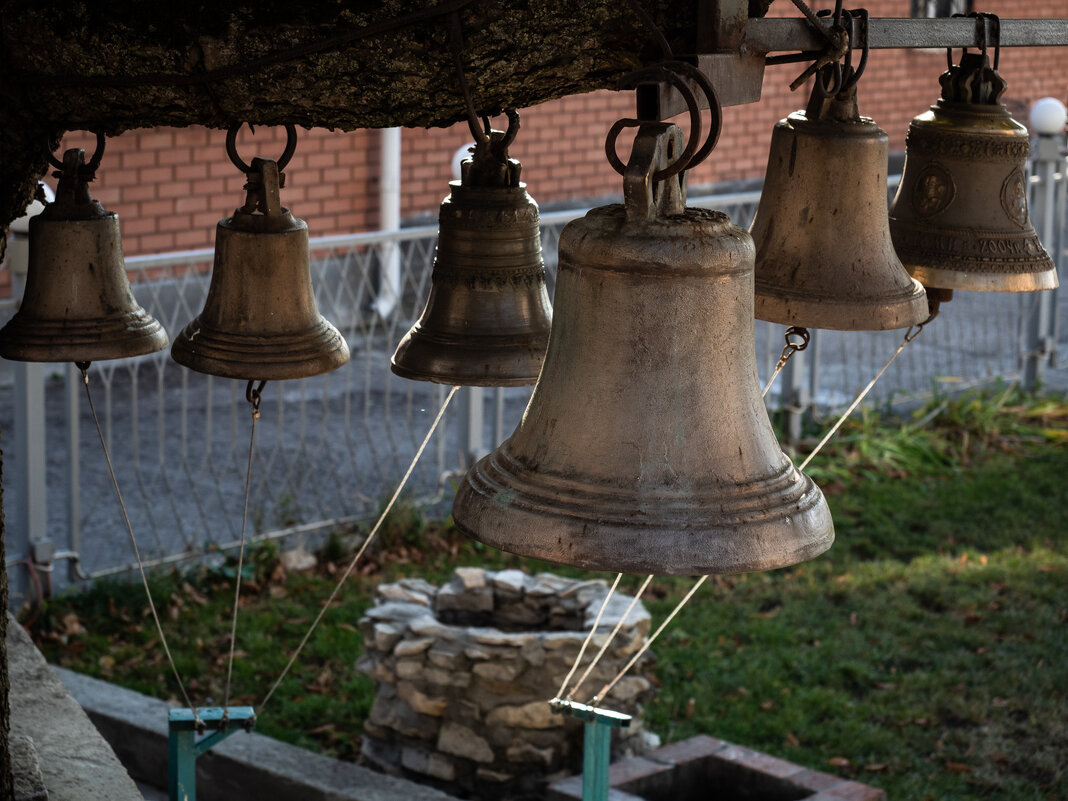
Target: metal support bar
184	747
771	35
74	480
597	742
794	396
1039	332
472	445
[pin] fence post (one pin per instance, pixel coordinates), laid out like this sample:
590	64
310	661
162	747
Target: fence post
794	397
74	507
1039	323
30	524
472	446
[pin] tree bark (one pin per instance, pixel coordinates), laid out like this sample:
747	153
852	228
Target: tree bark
112	65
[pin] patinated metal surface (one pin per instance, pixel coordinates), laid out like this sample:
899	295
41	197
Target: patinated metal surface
77	305
824	254
486	322
960	219
260	319
646	446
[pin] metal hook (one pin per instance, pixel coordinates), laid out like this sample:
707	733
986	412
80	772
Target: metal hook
88	170
283	160
675	73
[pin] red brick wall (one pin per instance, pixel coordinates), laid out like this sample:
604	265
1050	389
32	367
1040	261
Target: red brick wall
170	186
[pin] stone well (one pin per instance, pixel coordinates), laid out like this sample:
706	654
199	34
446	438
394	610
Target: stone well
463	674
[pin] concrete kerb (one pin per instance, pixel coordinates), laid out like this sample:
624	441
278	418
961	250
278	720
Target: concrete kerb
243	766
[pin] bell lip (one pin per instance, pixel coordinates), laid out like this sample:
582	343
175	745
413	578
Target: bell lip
422	358
985	281
315	351
505	506
132	334
773	305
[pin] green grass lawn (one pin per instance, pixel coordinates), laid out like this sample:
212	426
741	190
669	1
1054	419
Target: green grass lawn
925	653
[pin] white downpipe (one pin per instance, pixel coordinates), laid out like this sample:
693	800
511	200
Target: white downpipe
389	201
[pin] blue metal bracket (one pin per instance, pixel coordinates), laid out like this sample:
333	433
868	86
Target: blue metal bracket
597	744
184	747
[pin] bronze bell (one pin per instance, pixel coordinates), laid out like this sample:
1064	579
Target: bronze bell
260	319
77	306
959	219
486	322
646	446
824	254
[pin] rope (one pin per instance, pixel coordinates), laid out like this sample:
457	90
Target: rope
611	637
589	637
84	367
909	336
363	547
641	652
253	396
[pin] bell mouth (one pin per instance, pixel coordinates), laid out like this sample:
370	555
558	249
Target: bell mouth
118	336
772	521
255	357
901	309
974	280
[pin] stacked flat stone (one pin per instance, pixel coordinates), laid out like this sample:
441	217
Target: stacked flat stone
463	674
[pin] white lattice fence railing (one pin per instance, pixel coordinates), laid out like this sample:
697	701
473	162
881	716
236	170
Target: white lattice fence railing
329	449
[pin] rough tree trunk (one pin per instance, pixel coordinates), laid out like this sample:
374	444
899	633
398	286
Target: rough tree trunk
112	65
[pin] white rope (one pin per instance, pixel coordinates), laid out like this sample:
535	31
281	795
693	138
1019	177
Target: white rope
611	637
589	637
363	547
84	367
641	652
909	336
254	398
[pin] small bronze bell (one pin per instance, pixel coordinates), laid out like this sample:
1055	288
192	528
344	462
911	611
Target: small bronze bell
646	446
77	306
260	319
824	254
486	322
959	219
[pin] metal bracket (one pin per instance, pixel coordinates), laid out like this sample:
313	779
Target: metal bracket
597	743
184	747
656	146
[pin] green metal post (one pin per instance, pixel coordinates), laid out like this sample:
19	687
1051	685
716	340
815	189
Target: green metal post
597	742
184	748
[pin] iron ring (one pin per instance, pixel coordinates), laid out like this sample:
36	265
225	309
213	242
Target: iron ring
283	160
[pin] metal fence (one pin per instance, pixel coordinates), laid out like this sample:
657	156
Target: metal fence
330	449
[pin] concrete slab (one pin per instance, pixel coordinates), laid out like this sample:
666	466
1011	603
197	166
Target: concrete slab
76	763
245	766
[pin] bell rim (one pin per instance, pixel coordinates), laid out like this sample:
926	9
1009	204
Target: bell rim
702	547
453	359
35	339
315	351
976	280
778	305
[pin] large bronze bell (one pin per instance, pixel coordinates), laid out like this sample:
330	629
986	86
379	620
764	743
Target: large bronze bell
77	305
260	319
824	254
646	446
959	219
486	322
